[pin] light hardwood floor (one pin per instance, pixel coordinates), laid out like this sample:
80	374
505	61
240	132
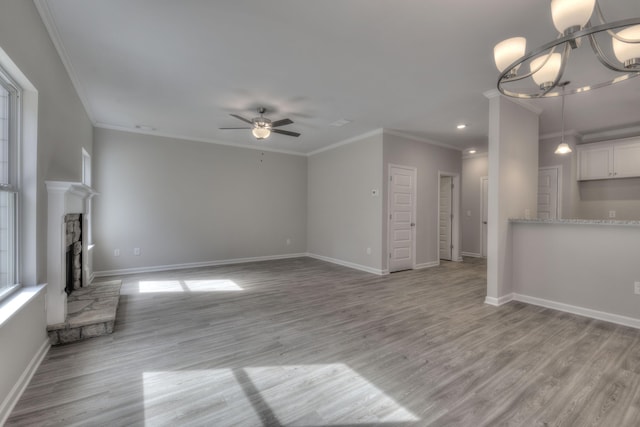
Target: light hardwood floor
306	343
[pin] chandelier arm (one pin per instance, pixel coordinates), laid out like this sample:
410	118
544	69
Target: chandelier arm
532	72
602	57
540	50
610	32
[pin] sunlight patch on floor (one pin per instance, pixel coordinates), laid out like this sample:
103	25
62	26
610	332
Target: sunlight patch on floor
161	286
295	395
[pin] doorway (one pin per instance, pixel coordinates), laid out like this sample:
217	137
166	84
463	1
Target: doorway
402	214
549	189
484	214
448	216
445	221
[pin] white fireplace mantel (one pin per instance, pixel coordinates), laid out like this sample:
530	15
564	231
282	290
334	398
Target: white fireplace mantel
64	198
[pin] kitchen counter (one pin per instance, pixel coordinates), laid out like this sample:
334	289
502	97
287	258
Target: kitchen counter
576	221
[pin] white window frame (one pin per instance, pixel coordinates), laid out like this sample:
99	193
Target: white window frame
86	168
14	122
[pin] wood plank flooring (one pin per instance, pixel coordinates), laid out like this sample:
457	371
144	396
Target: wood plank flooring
306	343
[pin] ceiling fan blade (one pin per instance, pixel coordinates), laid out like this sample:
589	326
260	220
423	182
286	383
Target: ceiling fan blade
235	128
241	118
281	122
285	132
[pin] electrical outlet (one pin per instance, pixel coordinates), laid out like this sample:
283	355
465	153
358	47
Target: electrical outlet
288	242
636	286
468	213
612	214
116	252
136	251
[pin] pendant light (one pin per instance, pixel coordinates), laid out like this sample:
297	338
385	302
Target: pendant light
563	147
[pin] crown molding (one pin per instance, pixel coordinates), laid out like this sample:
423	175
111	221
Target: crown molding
47	18
424	140
189	138
475	155
618	133
347	141
552	135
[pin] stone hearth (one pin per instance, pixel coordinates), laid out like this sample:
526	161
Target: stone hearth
91	312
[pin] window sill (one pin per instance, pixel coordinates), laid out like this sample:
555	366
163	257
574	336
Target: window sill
13	304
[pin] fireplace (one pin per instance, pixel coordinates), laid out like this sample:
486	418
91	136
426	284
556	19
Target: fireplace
68	250
73	252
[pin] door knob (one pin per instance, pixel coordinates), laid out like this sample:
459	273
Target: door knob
484	222
413	224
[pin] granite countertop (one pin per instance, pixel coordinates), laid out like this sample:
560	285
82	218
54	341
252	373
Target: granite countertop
575	221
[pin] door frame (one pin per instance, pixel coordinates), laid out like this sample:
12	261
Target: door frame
413	213
482	242
455	210
559	173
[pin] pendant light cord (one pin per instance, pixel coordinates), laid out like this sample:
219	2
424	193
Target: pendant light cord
562	115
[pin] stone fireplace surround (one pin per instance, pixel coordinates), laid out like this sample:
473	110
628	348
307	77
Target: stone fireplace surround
64	198
73	252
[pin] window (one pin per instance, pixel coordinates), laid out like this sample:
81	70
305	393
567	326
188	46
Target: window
86	168
9	98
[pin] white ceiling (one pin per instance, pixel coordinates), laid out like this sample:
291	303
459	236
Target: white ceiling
416	67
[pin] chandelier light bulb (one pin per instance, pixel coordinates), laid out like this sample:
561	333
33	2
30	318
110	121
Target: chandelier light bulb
628	53
571	15
546	74
508	51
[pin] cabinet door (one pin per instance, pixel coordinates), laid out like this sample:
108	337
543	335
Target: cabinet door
596	162
626	160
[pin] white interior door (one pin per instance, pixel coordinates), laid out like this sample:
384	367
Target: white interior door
548	193
445	219
402	204
484	208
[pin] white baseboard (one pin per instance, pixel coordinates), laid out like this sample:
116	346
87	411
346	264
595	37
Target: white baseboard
471	254
498	301
581	311
355	266
426	265
155	268
16	392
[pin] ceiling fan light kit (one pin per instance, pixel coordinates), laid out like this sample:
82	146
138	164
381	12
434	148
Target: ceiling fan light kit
262	127
545	66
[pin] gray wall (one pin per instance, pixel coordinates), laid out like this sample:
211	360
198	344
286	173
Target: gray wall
63	129
473	168
63	125
186	202
597	198
344	219
587	266
513	185
590	199
570	194
428	160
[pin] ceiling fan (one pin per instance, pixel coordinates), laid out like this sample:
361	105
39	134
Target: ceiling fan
261	127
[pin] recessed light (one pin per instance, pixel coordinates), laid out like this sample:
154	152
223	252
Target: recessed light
472	151
340	122
461	126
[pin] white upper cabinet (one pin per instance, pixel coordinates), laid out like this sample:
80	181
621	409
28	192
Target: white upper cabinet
608	160
626	159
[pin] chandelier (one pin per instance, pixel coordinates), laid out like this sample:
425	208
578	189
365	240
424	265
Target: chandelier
538	73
